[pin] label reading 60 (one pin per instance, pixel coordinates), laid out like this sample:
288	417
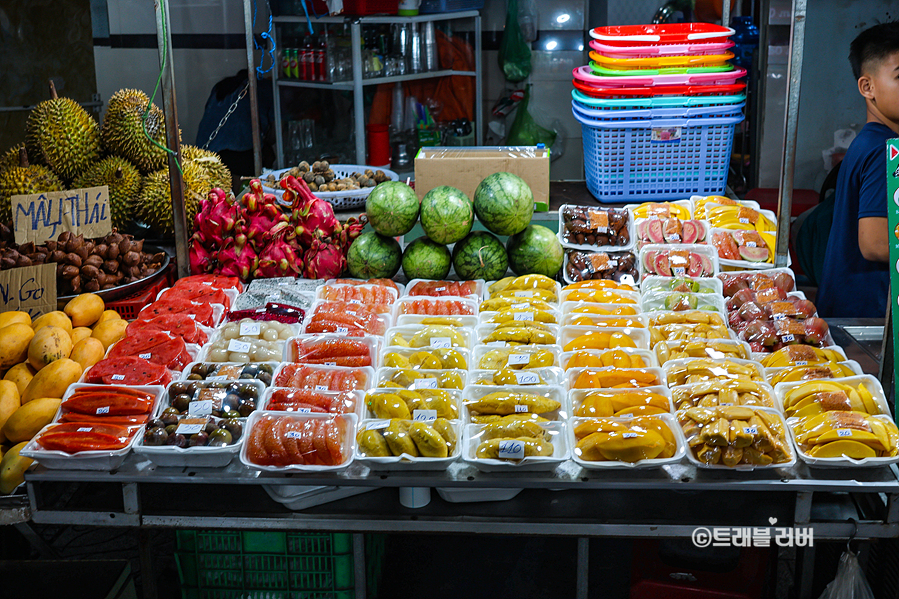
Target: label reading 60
511	450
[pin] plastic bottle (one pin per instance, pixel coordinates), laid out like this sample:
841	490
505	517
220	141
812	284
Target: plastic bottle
294	64
321	58
307	60
285	63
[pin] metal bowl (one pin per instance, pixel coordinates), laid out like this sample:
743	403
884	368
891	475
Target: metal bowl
123	291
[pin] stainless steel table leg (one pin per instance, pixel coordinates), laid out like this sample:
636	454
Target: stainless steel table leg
359	564
583	567
805	565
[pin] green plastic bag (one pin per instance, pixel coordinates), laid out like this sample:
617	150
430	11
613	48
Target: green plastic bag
514	52
525	131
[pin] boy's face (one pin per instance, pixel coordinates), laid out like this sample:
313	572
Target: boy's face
879	83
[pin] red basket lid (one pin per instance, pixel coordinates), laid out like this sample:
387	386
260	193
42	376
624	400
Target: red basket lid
650	92
665	33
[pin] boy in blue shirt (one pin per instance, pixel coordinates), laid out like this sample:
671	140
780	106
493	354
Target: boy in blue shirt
855	280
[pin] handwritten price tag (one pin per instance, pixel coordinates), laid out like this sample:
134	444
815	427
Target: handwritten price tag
321	387
330	363
239	347
424	415
118	377
628	435
520	409
801	363
103	410
527	378
518	359
788	338
497	344
374	426
293	434
145	356
342	330
439	289
524	294
523	316
250	328
511	450
521	306
219	377
425	384
85	429
441	342
304	410
679	271
189	429
750	430
844	432
202	407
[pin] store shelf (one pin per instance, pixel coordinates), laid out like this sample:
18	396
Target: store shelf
381	19
376	80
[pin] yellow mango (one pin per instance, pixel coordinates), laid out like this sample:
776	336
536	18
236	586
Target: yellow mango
50	343
13	317
30	418
53	381
107	315
55	319
21	375
85	309
9	403
14	341
110	331
88	352
12	469
79	333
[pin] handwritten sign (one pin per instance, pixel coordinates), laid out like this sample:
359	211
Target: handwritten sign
30	289
42	216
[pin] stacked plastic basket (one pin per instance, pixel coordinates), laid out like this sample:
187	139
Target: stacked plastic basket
658	105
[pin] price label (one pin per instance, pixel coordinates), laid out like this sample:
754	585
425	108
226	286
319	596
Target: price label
441	342
628	435
354	301
330	363
523	316
145	356
599	220
744	221
85	429
788	338
251	329
201	407
627	280
520	409
118	377
801	363
679	271
240	347
424	415
750	430
304	410
219	377
779	316
293	434
207	283
518	359
527	378
439	289
351	312
521	306
374	426
103	410
342	330
321	387
750	244
844	432
424	384
497	344
524	294
189	429
673	237
511	450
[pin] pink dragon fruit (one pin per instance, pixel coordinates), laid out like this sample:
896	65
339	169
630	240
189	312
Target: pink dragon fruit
237	261
350	230
312	216
324	260
201	260
262	224
278	259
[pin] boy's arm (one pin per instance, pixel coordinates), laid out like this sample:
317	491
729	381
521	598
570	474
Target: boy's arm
874	239
873	230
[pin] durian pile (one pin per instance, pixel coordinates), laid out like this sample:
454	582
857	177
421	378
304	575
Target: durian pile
65	148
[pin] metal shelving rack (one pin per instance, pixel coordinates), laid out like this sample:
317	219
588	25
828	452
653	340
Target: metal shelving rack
357	83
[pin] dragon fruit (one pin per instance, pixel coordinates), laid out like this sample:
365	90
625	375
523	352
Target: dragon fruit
237	261
350	230
201	260
312	216
262	224
324	260
278	259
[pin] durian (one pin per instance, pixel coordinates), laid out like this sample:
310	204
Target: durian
62	134
123	133
24	179
155	200
10	158
124	182
215	169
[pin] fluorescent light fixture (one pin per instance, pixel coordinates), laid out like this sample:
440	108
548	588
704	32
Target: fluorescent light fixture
552	45
563	18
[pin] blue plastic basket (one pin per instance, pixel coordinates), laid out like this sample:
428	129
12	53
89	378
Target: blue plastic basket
654	102
661	159
437	6
592	114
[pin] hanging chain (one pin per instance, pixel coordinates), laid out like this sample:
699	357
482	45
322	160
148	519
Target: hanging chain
227	114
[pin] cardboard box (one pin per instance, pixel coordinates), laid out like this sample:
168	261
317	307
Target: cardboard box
464	168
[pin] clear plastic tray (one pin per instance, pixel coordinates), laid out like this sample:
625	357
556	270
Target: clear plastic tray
454	394
561	451
595	248
695	201
193	350
350	281
653	283
762	385
429	377
609	270
576	398
572	374
485	330
230	293
469	322
348	443
766	213
320	292
712	315
570	307
384	321
668	419
707	255
409	351
170	393
305	497
482	350
188	371
437	341
406	461
870	382
557	290
741	265
703	233
768	271
655	301
400	307
710	352
640	337
759	356
476	392
251	339
844	461
487	317
852	364
190	457
671	364
358	398
552	376
411	291
683	204
218	313
367	371
600	321
633	297
463	495
649	358
372	342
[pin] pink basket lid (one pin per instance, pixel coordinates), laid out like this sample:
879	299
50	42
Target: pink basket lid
585	74
665	33
665	90
662	50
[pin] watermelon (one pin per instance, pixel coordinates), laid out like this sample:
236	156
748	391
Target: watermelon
392	208
425	259
127	371
374	256
480	256
504	203
536	250
446	214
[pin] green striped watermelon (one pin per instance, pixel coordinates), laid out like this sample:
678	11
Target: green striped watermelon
392	208
426	259
504	203
374	256
480	256
446	214
536	250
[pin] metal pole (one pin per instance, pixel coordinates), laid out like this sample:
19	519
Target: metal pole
583	568
251	74
478	84
173	140
725	12
358	107
788	159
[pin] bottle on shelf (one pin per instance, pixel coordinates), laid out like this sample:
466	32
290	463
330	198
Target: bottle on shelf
321	61
294	64
306	59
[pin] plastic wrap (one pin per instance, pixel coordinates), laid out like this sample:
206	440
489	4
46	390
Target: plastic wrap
205	371
618	266
842	438
861	393
309	401
622	357
424	287
518	333
707	286
427	358
701	348
333	350
574	338
670	231
507	376
409	444
711	394
594	403
433	336
678	261
828	370
271	311
451	306
469	322
157	347
204	441
600	309
743	249
600	296
520	312
699	370
348	319
802	355
592	228
684	326
413	378
610	377
545	451
324	378
681	209
400	288
486	403
223	399
636	442
699	203
178	325
363	294
202	294
782	278
600	321
289	442
485	357
386	404
248	340
208	315
678	301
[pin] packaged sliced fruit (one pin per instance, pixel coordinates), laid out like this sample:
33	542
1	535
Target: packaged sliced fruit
700	202
434	336
670	231
426	358
772	335
828	370
518	333
216	281
710	394
332	350
79	437
678	301
600	296
701	348
363	294
177	325
468	322
322	307
208	315
451	306
737	437
412	443
422	287
324	378
678	261
641	441
851	394
499	304
801	355
743	248
781	278
620	357
157	347
412	404
503	446
350	319
653	284
200	294
285	442
601	284
748	305
582	266
620	402
522	283
693	324
600	309
520	312
550	296
486	357
680	209
610	377
249	341
590	227
740	217
573	338
846	438
193	432
380	282
223	399
412	378
698	370
509	376
128	372
309	401
269	311
120	404
484	404
595	320
207	371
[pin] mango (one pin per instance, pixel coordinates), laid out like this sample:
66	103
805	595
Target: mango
79	333
9	403
88	352
85	309
107	315
13	317
110	331
30	418
53	381
21	375
55	319
50	343
12	469
14	341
